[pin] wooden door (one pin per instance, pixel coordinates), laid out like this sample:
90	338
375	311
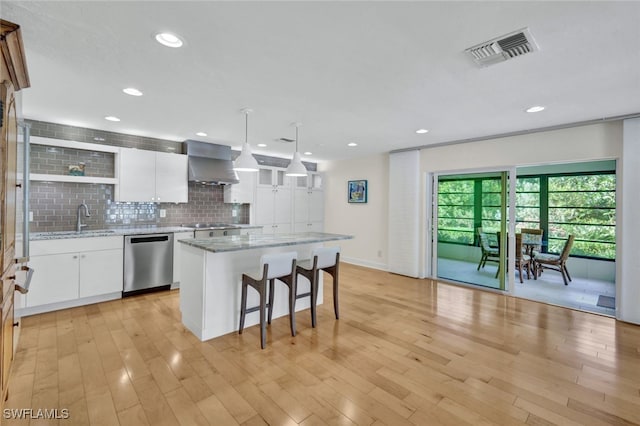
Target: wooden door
9	163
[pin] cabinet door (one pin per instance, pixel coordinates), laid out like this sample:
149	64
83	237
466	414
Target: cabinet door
171	178
55	280
264	206
137	175
282	205
282	228
301	205
316	206
100	272
241	192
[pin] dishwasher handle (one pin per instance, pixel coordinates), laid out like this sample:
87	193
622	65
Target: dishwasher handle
154	239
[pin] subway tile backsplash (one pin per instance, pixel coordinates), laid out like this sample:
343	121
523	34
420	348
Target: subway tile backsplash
54	204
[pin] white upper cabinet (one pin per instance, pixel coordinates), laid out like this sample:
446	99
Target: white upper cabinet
308	203
243	192
150	176
273	201
171	178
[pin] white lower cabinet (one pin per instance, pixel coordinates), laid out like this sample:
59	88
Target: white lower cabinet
100	272
55	279
75	268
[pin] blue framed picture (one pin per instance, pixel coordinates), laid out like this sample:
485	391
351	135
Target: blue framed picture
357	191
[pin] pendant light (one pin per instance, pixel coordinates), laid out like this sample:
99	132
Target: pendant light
245	161
296	168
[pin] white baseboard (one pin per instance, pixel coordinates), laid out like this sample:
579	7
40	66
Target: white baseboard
366	263
33	310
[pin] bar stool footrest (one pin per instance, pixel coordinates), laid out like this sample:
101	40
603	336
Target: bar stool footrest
255	308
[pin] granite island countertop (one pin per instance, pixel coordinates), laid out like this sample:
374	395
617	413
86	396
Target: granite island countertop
248	242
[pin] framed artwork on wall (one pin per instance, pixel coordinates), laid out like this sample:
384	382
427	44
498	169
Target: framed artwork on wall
357	191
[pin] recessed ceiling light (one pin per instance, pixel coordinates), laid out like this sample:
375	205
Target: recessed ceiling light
262	145
168	39
308	153
536	108
132	91
201	134
99	139
352	144
111	118
421	131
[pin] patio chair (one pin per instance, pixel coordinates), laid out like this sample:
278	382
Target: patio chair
491	254
556	262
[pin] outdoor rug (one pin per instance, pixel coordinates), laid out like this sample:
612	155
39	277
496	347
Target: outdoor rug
606	302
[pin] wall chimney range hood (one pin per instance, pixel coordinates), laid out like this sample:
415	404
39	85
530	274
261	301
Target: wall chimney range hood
210	164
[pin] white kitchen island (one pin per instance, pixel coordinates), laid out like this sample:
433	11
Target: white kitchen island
212	274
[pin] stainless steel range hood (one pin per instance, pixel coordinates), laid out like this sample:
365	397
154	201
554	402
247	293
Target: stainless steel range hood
210	163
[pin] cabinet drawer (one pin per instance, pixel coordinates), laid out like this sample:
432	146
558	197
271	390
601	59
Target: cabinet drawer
74	245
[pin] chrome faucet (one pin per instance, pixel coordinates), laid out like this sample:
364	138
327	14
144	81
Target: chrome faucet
79	223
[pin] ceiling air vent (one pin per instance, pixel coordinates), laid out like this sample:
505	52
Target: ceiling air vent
502	48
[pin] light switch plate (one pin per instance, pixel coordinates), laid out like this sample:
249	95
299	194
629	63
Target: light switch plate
30	216
163	213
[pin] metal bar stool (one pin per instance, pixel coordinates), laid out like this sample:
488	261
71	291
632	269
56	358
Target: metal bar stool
322	259
280	266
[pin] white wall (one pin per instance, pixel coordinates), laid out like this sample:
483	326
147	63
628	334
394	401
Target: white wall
585	143
367	222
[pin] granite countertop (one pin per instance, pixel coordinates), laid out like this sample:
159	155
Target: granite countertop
56	235
119	231
248	242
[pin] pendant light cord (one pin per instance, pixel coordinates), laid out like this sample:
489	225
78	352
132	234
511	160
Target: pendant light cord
296	138
246	127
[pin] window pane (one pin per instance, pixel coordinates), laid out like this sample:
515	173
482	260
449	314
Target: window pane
491	185
527	214
455	200
491	199
528	199
456	186
583	183
455	236
584	232
582	216
528	184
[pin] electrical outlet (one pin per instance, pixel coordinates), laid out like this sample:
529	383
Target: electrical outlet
163	213
234	213
379	253
30	216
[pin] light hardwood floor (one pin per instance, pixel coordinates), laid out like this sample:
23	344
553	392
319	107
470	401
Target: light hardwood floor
404	352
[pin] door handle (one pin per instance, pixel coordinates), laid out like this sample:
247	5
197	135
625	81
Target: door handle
24	289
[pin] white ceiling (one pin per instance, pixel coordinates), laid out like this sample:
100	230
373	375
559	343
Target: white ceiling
365	72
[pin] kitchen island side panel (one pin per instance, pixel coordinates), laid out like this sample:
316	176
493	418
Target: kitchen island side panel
211	290
192	289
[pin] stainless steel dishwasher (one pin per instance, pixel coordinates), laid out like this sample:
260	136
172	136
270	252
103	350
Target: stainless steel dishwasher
148	263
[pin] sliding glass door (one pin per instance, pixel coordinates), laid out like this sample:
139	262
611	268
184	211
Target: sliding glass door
470	227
